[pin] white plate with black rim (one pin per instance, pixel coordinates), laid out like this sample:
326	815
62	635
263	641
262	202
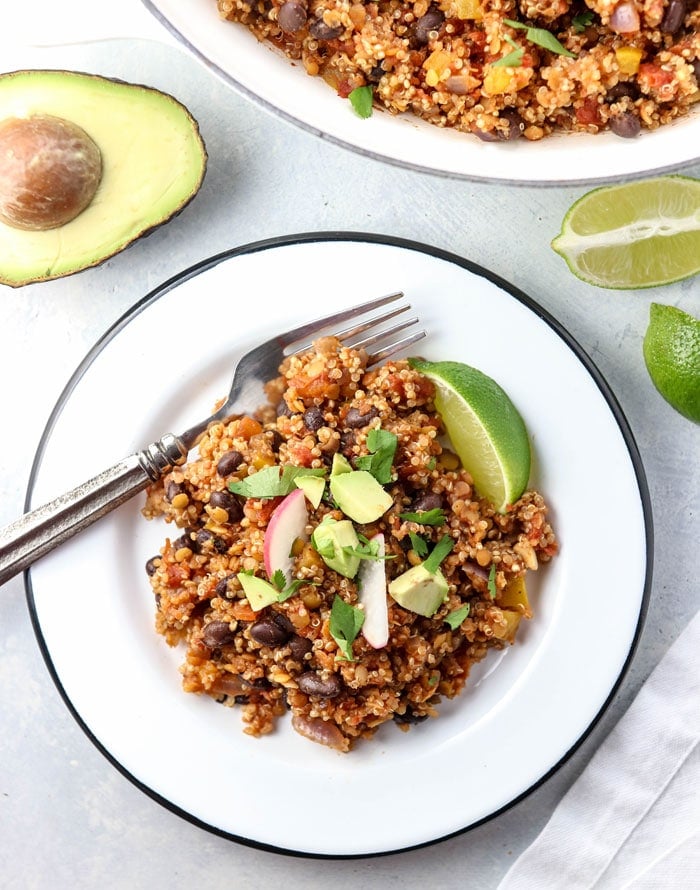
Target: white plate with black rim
162	366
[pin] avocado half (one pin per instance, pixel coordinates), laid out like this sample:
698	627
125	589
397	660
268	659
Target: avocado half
153	163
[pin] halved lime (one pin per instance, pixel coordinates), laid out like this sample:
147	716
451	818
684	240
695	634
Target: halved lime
634	235
485	429
672	356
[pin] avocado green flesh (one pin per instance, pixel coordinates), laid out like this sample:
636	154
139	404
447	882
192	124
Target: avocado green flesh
360	496
335	535
419	590
153	159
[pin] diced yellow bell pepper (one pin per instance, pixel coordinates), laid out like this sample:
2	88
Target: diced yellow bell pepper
512	623
515	597
628	59
496	81
469	9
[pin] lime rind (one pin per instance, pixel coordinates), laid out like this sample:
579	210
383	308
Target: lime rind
671	350
485	429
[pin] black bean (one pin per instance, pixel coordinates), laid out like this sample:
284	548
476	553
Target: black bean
229	462
622	89
313	419
227	501
431	21
625	124
513	130
347	440
221	589
283	409
292	16
173	489
216	634
673	17
151	565
275	439
376	74
312	683
319	30
182	541
486	136
354	420
299	646
429	501
273	630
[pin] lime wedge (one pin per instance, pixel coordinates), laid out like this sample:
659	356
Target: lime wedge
485	429
634	235
672	356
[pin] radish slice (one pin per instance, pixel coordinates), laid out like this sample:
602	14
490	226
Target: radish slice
372	596
287	523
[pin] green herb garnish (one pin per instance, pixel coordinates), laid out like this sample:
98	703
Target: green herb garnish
420	545
425	517
345	624
361	99
271	482
514	59
286	591
438	553
454	619
541	37
492	581
582	21
382	447
367	550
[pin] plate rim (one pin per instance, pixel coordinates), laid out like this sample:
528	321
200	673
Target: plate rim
513	291
275	111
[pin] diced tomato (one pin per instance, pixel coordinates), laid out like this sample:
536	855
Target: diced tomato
588	112
652	76
344	89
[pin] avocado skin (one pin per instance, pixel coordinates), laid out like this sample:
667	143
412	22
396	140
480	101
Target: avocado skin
114	113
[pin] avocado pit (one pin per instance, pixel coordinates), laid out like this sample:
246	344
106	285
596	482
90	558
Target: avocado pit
50	169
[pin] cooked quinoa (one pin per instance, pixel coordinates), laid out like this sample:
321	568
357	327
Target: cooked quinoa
623	65
285	656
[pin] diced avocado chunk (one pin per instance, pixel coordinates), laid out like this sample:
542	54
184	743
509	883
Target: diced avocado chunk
313	487
360	496
419	590
259	593
329	539
340	465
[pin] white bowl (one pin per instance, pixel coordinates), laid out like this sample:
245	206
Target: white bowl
269	78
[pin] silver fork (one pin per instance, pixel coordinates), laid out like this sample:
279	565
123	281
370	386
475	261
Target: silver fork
40	531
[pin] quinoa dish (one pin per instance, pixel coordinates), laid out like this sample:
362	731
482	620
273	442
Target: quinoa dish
330	555
498	69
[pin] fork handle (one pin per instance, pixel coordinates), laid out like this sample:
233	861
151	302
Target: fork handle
38	532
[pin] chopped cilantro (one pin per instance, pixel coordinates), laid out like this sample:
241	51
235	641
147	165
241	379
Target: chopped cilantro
367	550
492	581
271	482
361	99
419	544
432	463
514	59
582	21
382	447
345	624
454	619
425	517
286	591
438	553
541	37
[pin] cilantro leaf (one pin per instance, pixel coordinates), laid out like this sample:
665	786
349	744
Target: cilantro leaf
292	588
582	21
438	553
514	59
382	447
435	516
361	99
278	579
541	37
271	482
419	544
345	624
492	581
367	550
454	619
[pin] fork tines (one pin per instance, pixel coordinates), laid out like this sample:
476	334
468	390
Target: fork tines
380	333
